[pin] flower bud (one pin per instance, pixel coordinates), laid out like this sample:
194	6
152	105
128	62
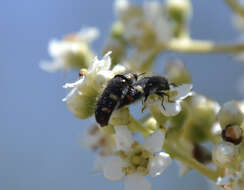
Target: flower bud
225	154
230	113
201	118
117	30
72	52
79	58
118	47
179	10
151	123
83	106
177	73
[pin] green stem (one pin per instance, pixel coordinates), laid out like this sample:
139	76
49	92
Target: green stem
135	126
199	46
235	6
181	155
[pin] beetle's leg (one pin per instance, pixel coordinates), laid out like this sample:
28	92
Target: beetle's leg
145	97
162	94
163	103
144	101
143	107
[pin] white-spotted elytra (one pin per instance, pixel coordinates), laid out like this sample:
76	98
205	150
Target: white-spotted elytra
116	89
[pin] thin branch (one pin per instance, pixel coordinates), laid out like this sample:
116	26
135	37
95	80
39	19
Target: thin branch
198	46
234	5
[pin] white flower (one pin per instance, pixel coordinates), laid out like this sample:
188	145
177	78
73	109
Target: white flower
71	52
181	8
112	168
81	99
173	107
88	34
159	163
136	182
141	21
98	163
230	113
74	91
136	160
121	6
154	15
91	137
96	140
97	69
124	138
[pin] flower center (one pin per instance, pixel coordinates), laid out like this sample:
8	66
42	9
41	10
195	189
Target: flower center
137	159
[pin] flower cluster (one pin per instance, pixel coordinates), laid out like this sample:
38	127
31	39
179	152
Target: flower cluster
129	158
73	51
133	160
178	122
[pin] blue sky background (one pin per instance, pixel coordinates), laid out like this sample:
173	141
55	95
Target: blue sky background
39	137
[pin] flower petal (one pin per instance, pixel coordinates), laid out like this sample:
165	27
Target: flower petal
74	92
159	163
153	14
183	91
170	108
154	142
52	66
112	168
123	137
74	84
107	60
102	77
88	34
99	163
121	6
98	65
91	140
136	182
119	69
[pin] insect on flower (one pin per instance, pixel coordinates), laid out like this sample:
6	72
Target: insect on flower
116	89
145	87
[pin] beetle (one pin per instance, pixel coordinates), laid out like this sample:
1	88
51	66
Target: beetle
144	87
116	89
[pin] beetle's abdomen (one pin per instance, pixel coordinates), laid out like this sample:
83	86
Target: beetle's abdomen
109	100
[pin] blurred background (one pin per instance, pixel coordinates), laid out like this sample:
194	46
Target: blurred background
39	137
